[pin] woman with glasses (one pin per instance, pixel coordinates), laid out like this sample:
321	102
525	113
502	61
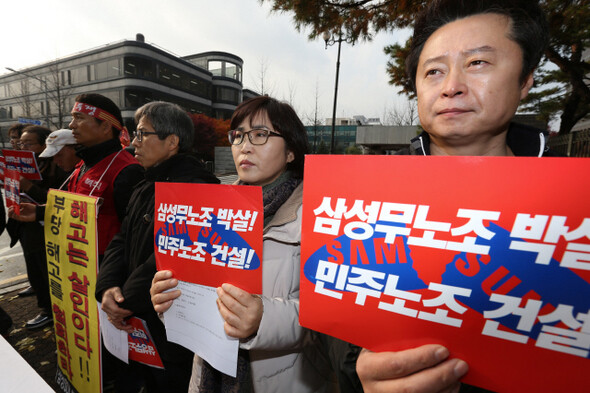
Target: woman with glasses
268	147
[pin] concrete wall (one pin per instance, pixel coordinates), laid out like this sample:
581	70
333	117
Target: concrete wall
224	162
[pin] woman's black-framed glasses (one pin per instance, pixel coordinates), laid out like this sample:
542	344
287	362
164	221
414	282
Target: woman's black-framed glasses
140	133
256	136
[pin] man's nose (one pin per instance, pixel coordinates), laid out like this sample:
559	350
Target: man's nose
454	83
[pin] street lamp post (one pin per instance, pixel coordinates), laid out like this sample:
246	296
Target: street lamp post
330	40
44	88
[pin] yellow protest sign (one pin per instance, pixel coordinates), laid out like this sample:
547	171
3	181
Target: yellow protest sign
70	240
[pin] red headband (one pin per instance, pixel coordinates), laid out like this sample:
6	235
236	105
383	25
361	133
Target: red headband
98	113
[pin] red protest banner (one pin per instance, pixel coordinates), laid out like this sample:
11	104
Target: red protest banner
489	256
210	234
12	189
22	161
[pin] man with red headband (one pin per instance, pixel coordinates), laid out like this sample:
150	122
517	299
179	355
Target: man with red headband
111	173
106	170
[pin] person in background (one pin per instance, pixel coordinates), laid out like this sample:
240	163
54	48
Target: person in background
268	146
14	133
471	62
31	234
61	145
163	142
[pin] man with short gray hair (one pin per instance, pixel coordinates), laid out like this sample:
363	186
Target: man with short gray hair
163	144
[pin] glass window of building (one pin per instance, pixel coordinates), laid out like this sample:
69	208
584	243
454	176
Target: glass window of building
107	69
233	71
227	94
79	75
139	67
91	70
134	98
216	68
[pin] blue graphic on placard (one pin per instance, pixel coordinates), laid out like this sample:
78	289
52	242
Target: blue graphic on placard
504	271
371	254
515	273
215	235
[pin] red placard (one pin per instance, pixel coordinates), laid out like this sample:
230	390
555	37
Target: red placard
489	256
142	348
12	189
22	161
210	234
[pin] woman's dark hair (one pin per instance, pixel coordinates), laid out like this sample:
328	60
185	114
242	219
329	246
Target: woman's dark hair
283	119
528	27
169	119
105	104
18	127
41	132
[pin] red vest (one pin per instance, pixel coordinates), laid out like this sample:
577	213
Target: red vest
92	184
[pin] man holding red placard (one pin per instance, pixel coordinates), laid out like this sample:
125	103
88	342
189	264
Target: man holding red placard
163	143
471	63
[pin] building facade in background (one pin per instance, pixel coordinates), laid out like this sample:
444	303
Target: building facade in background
131	73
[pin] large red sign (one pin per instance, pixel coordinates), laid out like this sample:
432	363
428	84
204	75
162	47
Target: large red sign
210	234
489	256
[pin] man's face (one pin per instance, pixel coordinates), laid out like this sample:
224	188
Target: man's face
152	150
66	158
88	131
468	81
29	142
14	139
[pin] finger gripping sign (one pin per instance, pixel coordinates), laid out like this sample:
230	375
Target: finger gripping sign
487	256
210	234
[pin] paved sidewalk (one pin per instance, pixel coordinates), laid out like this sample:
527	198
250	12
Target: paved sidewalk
36	347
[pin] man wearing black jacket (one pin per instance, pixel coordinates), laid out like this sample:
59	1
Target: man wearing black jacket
470	63
162	142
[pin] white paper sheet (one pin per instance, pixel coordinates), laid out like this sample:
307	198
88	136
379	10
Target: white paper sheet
115	340
194	322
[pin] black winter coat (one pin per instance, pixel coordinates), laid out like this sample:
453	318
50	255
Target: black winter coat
129	261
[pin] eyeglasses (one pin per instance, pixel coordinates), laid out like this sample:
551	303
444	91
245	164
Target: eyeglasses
256	136
26	145
140	133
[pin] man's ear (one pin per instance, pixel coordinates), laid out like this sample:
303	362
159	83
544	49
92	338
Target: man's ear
173	141
106	128
526	86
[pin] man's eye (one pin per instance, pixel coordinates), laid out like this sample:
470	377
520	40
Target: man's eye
478	62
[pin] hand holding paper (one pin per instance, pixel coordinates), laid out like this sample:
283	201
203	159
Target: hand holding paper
241	311
110	306
162	296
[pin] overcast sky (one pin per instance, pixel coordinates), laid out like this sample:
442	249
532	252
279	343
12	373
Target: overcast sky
37	31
